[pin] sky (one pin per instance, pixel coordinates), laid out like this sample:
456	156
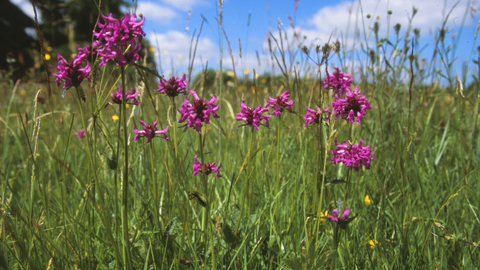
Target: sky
172	23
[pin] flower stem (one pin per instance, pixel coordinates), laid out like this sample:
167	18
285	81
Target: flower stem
206	216
278	154
126	243
245	188
174	126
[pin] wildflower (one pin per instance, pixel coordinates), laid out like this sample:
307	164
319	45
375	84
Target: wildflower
353	108
88	53
353	155
80	135
117	98
323	216
252	117
71	73
207	168
372	243
338	81
198	112
115	117
368	200
313	116
345	216
173	87
280	103
116	37
149	131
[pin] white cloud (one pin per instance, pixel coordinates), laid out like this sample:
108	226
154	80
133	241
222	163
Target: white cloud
26	7
430	16
183	4
175	47
155	12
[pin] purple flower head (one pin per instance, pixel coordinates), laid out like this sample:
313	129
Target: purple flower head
149	131
208	168
353	107
252	117
115	37
88	53
117	98
345	216
313	116
354	155
280	103
338	81
198	112
80	135
173	87
71	73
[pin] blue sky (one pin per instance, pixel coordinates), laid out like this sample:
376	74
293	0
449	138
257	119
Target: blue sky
174	22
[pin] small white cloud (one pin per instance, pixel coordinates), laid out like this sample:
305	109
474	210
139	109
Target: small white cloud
183	4
157	13
26	7
176	45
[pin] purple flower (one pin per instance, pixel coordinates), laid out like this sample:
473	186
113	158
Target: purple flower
198	112
353	108
208	168
80	135
115	37
87	53
338	81
71	73
313	116
280	103
354	155
173	87
345	216
252	117
117	98
149	131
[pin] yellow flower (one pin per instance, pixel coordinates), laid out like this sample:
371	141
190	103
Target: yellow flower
372	243
246	71
257	75
23	93
126	105
152	49
49	49
47	56
263	81
368	200
115	117
324	216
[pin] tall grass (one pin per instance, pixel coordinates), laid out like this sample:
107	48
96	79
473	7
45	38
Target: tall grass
60	194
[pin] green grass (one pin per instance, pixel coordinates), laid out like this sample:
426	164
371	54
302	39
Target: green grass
61	200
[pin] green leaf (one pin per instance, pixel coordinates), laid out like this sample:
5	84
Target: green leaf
294	264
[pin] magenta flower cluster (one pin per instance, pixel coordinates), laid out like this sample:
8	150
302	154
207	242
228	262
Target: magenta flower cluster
280	103
80	135
173	87
352	155
208	168
199	112
132	95
339	81
252	117
345	216
119	41
314	117
88	53
353	107
149	131
71	73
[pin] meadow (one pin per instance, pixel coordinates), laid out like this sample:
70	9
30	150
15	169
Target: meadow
86	185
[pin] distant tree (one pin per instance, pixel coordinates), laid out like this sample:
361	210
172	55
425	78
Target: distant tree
73	20
14	56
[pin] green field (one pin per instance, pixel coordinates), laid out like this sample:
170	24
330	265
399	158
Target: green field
107	201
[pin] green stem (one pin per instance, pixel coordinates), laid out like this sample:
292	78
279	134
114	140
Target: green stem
245	188
205	223
278	154
126	243
155	189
